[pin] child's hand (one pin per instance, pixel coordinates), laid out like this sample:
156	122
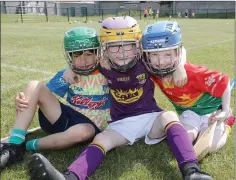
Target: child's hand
69	76
21	102
180	76
219	116
104	63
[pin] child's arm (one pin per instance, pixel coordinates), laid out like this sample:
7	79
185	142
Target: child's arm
69	76
180	76
224	113
226	99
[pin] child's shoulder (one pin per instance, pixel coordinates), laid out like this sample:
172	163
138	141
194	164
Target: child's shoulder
195	68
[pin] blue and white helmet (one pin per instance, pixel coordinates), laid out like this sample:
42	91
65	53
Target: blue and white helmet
161	36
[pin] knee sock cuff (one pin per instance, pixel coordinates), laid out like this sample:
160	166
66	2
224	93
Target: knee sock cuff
100	146
171	124
17	136
32	145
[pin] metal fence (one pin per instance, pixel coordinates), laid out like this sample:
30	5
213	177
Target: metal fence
55	14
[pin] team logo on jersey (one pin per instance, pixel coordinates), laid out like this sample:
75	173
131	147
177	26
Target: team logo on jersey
88	102
127	97
61	81
209	80
141	78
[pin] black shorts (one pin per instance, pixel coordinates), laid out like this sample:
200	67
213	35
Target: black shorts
145	15
68	118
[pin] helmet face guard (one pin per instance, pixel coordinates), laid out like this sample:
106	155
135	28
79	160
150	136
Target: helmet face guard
158	37
87	68
157	69
124	61
76	42
120	39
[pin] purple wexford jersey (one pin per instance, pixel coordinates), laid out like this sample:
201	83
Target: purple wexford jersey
132	92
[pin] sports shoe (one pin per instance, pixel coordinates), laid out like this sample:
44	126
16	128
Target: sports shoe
191	171
41	169
11	153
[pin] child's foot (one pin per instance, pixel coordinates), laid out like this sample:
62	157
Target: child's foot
191	171
11	153
41	169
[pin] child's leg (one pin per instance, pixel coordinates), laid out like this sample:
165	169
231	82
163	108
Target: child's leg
219	140
92	157
87	162
192	124
36	93
178	138
179	143
221	134
75	134
70	128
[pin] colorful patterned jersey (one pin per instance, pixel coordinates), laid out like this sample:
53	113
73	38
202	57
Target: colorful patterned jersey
90	96
202	93
132	93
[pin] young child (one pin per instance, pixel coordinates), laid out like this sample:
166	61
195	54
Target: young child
134	112
145	13
197	102
88	102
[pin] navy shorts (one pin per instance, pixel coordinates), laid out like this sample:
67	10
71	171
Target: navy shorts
69	117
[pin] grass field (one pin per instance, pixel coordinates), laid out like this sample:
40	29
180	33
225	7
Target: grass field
33	51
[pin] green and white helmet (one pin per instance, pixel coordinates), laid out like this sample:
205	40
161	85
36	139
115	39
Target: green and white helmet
81	39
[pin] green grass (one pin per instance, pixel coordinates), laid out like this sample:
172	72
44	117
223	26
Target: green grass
38	46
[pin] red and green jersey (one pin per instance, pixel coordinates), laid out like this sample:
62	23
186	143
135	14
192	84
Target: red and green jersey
202	93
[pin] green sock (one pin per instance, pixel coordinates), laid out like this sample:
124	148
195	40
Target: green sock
17	136
32	145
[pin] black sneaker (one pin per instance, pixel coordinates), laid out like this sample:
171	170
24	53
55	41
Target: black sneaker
11	153
41	169
198	175
191	171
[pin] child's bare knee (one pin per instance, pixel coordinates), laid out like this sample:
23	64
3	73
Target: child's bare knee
80	133
168	117
34	84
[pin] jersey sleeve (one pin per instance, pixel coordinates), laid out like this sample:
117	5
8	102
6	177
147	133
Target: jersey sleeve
205	80
58	85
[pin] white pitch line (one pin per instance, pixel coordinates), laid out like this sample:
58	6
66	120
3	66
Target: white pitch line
19	84
29	69
210	44
4	140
